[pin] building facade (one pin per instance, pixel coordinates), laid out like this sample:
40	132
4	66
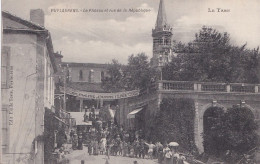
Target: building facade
27	86
86	77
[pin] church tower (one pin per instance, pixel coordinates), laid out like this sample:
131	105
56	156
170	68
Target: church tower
162	38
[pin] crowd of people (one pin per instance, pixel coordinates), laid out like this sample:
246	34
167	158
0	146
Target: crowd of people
111	140
106	138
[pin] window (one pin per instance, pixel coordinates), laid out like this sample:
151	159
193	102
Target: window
5	65
80	75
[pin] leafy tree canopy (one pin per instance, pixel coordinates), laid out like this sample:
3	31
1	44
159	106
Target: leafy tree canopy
211	57
137	74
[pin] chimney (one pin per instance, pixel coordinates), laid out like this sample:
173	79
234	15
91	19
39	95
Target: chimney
37	16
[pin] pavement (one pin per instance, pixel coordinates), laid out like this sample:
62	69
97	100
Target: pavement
77	156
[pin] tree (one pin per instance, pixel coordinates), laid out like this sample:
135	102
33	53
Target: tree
142	75
211	57
241	130
114	82
175	122
214	136
234	131
137	74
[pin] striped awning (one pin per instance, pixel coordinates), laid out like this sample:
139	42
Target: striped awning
133	113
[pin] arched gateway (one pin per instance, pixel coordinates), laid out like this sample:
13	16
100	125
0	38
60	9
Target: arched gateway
207	96
228	130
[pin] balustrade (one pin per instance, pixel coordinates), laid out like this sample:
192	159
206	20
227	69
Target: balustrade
214	87
207	87
178	86
242	88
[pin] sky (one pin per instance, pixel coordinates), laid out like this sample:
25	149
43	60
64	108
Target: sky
99	37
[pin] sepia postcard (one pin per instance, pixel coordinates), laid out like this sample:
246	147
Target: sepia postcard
130	82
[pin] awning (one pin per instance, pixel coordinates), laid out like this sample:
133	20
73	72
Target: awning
60	120
133	113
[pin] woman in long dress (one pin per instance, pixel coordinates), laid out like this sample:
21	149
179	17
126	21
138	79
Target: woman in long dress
103	144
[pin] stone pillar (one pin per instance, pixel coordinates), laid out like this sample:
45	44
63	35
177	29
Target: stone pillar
228	88
256	89
198	128
101	103
160	85
195	86
199	87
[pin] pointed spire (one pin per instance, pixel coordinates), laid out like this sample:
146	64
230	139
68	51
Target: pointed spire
161	17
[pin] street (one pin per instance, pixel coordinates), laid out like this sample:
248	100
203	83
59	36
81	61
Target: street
76	156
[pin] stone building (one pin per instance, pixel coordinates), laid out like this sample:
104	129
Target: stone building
86	77
27	86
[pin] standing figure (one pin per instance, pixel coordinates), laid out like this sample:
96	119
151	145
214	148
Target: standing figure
108	148
160	153
90	146
103	144
95	147
71	135
168	156
75	141
150	150
117	145
131	150
142	149
125	148
80	141
136	148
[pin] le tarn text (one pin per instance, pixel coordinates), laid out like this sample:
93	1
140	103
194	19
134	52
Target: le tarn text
218	10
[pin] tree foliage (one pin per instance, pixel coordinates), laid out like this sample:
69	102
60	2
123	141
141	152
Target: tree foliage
211	57
175	122
233	131
137	74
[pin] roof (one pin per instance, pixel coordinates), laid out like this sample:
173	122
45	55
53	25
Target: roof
32	28
22	21
161	17
91	65
88	87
